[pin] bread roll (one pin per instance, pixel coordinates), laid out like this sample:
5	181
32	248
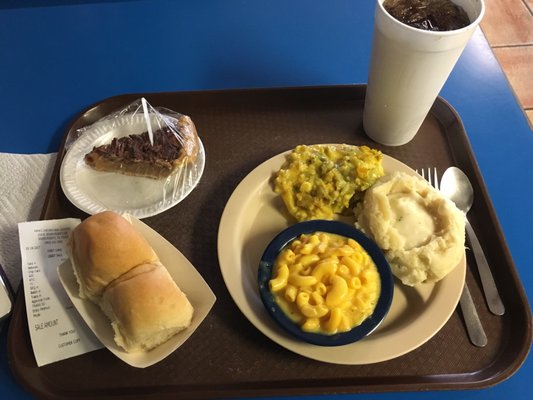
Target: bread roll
145	307
103	247
117	269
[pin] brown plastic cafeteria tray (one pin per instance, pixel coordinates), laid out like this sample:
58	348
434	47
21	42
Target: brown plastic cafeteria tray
227	356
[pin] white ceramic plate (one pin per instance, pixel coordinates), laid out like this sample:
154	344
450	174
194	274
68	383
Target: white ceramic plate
96	191
185	276
254	214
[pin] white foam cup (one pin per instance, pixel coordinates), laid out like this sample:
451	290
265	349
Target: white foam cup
408	68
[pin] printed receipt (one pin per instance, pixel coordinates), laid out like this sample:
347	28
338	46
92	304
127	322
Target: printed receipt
57	331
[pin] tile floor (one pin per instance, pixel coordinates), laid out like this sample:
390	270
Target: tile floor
508	27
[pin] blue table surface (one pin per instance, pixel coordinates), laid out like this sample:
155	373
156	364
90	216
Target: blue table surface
59	57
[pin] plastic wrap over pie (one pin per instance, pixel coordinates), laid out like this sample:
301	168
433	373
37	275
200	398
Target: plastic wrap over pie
167	142
139	160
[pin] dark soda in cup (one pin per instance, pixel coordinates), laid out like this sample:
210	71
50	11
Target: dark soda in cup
429	15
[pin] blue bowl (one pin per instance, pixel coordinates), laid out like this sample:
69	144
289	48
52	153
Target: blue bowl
288	235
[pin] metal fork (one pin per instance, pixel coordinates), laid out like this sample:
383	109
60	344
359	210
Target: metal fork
475	330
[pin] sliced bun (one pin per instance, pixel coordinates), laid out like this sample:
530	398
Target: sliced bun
103	247
117	269
146	307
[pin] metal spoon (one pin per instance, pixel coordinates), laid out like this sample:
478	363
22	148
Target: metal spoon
456	186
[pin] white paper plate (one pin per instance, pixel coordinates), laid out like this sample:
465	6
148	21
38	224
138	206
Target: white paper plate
254	214
96	191
185	276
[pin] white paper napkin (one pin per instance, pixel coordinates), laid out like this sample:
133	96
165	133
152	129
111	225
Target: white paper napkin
24	180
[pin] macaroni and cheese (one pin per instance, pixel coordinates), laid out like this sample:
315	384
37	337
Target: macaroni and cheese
326	283
320	181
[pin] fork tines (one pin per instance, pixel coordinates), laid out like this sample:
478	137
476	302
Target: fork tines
430	174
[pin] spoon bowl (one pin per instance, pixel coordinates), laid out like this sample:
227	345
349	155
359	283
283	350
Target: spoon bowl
457	187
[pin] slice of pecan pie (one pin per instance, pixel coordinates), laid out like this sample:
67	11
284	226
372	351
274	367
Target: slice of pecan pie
135	155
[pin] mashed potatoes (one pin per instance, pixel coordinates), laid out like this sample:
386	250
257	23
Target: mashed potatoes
421	232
